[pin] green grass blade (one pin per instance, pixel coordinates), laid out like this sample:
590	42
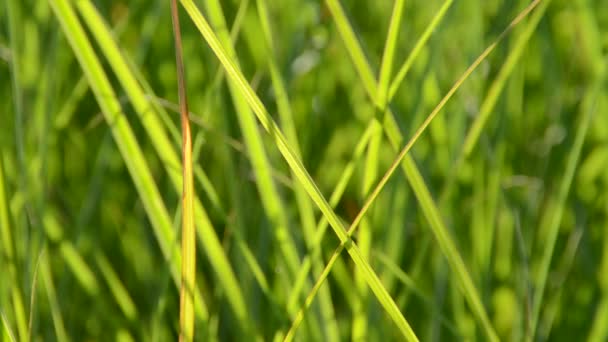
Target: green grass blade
370	171
413	175
271	201
429	208
498	84
389	54
297	167
304	204
120	293
420	43
7	331
47	278
334	199
552	220
9	255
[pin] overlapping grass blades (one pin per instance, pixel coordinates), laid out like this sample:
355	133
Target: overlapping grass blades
125	140
158	136
296	166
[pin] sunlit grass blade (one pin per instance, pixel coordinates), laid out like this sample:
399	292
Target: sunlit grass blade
388	56
413	175
444	240
296	165
8	333
124	137
370	170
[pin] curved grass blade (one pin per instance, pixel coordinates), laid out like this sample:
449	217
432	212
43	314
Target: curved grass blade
444	240
370	171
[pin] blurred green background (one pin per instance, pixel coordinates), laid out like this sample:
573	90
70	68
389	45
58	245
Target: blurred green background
79	256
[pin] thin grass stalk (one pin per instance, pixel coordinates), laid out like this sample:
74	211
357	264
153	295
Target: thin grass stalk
47	278
495	89
9	254
552	220
188	280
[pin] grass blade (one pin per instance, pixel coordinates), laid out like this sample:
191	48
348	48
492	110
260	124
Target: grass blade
551	221
188	280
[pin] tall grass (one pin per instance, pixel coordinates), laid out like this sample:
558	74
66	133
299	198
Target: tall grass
455	148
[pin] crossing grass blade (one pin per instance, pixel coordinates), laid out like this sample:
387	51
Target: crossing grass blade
498	84
427	204
370	170
271	201
305	207
297	168
350	88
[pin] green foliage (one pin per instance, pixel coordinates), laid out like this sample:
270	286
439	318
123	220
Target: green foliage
461	167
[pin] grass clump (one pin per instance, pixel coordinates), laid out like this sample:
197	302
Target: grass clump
455	149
